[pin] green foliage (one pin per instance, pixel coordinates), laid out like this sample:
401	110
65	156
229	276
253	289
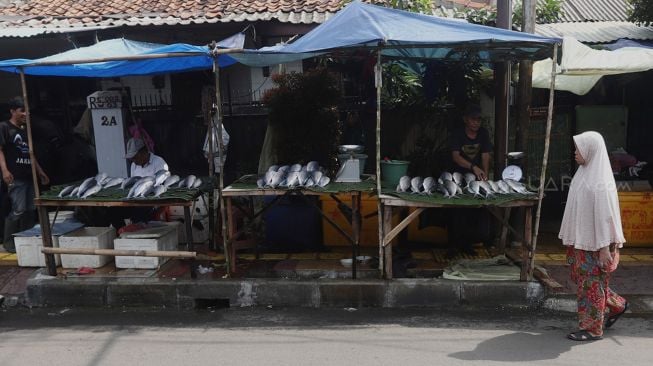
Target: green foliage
546	11
302	108
642	12
400	86
416	6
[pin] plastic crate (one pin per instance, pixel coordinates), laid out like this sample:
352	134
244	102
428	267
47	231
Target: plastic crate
637	218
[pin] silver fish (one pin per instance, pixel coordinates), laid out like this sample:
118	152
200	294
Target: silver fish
504	187
190	181
159	190
452	189
469	177
260	183
486	189
112	182
416	184
494	186
171	180
267	177
309	183
138	184
143	189
284	168
474	187
458	178
101	177
74	192
92	190
442	189
445	176
316	175
518	187
324	181
197	183
293	179
129	182
273	168
404	184
312	166
66	190
429	185
276	180
295	167
159	178
303	177
88	183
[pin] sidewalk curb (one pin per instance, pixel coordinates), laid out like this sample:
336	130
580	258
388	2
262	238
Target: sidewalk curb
46	291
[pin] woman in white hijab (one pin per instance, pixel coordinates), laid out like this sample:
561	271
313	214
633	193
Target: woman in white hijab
591	230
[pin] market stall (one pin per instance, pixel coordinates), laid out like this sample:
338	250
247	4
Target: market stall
247	187
115	58
411	39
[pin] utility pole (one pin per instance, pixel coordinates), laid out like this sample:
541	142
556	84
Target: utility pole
501	95
525	87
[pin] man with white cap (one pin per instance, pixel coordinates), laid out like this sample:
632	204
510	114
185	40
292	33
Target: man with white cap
143	162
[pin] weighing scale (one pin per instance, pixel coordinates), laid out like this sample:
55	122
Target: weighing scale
350	169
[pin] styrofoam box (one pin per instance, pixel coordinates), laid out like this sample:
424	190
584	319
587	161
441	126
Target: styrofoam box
87	238
199	235
28	251
179	228
159	238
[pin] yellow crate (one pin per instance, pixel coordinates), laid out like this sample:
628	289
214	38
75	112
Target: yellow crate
370	226
637	218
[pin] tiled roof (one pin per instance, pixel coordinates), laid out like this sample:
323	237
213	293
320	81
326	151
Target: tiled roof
24	18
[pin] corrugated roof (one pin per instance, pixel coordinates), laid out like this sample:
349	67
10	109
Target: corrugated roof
594	10
595	32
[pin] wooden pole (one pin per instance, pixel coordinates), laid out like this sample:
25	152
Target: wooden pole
118	252
378	81
545	160
525	88
502	94
30	141
218	104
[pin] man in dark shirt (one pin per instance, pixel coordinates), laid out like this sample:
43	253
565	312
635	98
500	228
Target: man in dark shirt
16	167
470	153
471	146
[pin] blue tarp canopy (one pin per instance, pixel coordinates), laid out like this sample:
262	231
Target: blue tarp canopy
404	35
172	58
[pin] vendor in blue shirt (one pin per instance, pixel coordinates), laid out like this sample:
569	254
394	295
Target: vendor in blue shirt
471	146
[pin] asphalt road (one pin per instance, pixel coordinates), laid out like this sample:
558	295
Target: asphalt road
312	337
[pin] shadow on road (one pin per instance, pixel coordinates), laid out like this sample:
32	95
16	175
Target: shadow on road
519	347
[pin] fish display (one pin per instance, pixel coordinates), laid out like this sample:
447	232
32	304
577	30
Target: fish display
137	187
293	176
453	185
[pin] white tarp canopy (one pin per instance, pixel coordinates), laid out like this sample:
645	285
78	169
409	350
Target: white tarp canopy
581	67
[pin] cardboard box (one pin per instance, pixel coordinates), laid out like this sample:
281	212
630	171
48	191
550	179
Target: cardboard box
28	251
87	238
158	238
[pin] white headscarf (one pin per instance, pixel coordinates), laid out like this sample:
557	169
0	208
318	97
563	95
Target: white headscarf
592	218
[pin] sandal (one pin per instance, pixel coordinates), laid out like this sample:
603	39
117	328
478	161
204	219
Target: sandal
613	318
583	335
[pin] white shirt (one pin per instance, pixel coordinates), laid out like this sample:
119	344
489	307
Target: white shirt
155	164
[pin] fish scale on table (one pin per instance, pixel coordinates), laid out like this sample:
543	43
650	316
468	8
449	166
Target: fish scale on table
416	184
429	185
404	184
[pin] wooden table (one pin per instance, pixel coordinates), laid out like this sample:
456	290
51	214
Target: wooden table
42	204
233	243
388	202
